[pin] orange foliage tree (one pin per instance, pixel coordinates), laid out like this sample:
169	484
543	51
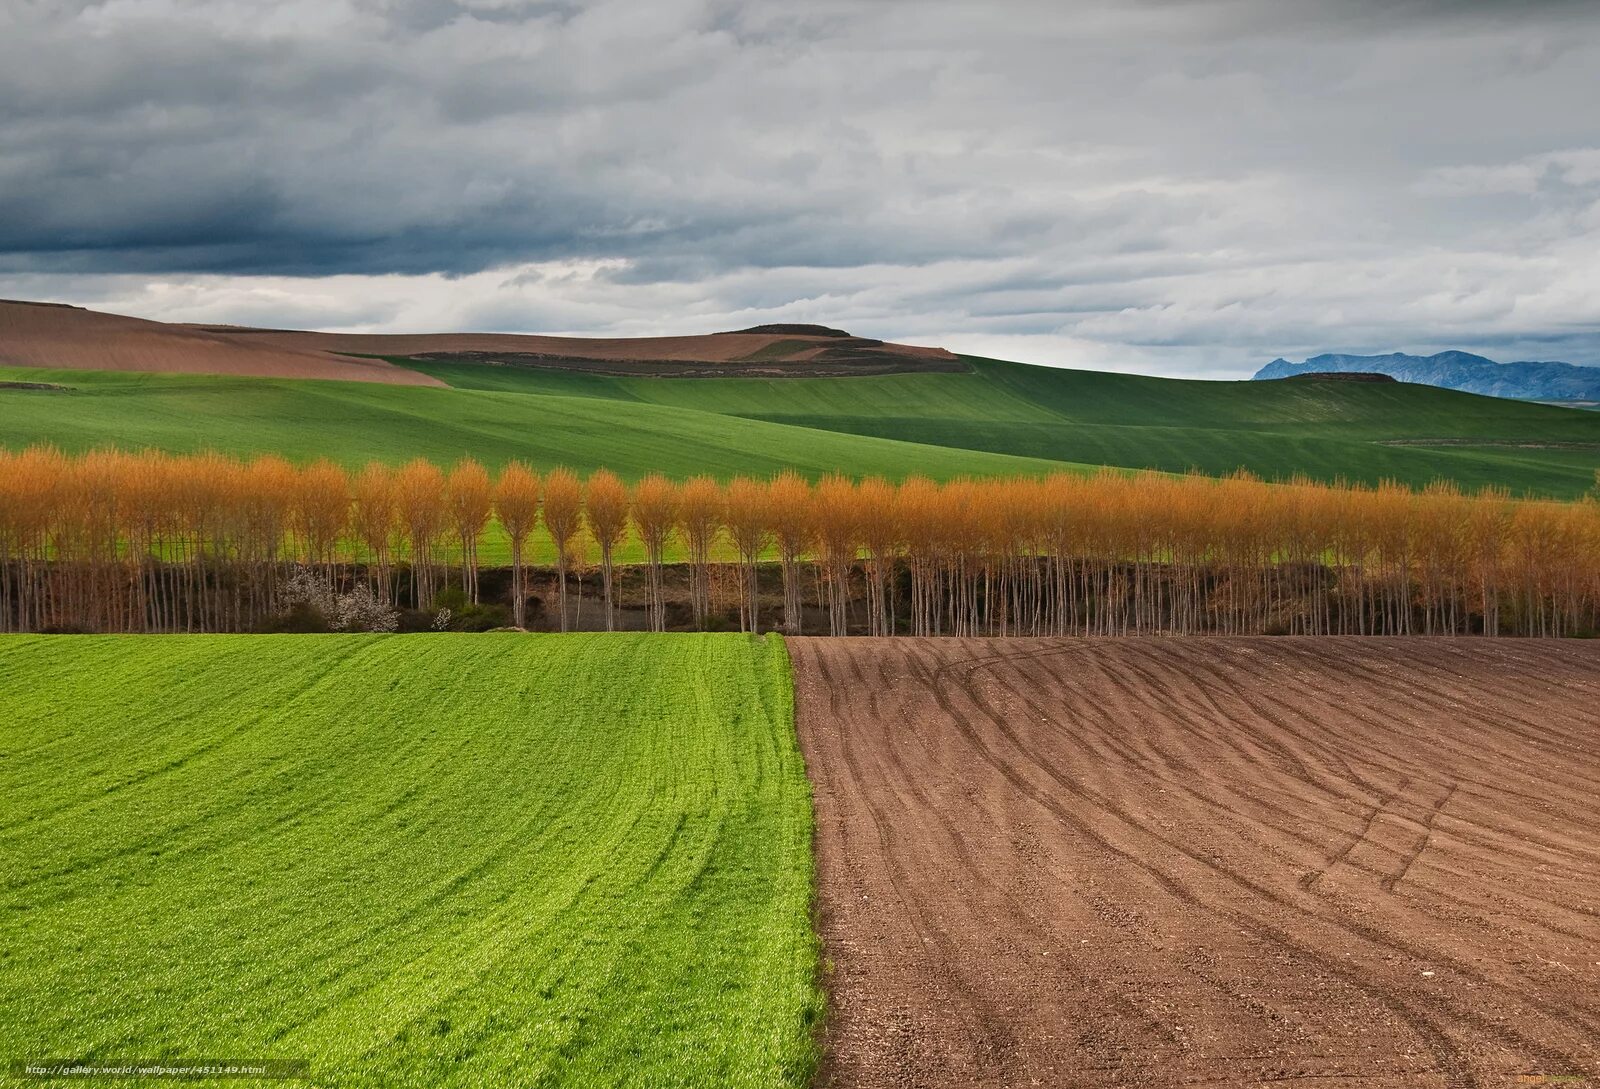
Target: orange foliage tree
700	513
469	499
563	509
420	501
606	511
110	541
790	515
748	516
516	505
373	491
654	508
320	515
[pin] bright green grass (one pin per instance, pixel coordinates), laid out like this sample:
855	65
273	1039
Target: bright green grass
1325	430
353	422
413	860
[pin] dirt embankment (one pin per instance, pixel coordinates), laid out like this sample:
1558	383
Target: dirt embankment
1347	863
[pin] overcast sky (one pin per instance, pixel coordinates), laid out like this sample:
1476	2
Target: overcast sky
1177	187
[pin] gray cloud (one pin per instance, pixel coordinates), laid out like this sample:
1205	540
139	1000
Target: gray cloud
1184	185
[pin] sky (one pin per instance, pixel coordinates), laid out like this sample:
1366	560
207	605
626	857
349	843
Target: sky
1182	187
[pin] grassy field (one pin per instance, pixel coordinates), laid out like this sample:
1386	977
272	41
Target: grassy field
1326	430
998	419
413	861
353	422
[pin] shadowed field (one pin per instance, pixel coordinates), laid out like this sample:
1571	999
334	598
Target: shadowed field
1206	862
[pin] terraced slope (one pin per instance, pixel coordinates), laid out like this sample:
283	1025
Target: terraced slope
1180	862
412	861
1326	430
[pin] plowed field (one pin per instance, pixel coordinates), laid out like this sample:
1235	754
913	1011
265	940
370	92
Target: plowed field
1205	862
70	338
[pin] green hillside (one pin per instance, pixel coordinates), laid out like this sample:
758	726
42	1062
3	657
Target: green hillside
352	422
999	418
422	861
1324	429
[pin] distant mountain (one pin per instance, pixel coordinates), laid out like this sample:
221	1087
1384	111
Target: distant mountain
1457	370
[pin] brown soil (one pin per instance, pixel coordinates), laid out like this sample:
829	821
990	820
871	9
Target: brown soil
69	338
711	348
1207	862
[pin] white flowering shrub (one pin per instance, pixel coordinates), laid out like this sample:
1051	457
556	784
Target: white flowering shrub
305	588
359	610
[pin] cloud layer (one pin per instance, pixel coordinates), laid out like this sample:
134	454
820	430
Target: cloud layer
1189	186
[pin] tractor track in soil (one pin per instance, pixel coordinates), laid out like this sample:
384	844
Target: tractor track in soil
1206	862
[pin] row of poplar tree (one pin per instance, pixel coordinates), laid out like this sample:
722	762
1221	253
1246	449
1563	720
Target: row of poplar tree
115	541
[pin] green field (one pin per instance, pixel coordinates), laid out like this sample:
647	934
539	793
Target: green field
353	422
997	419
1326	430
411	860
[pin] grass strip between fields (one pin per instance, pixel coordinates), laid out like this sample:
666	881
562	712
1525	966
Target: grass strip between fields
410	860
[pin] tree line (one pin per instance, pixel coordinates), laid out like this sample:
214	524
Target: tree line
115	541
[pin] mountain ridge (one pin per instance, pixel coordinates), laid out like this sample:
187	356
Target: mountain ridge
1523	380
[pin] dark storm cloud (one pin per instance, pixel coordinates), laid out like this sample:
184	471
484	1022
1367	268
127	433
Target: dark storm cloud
1177	182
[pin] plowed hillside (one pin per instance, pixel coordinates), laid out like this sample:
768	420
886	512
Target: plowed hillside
1203	862
69	338
710	348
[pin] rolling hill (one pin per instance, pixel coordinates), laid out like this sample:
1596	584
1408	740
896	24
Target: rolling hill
353	422
806	397
1323	429
54	335
762	351
60	336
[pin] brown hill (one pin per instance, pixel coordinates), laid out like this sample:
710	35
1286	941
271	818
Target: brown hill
767	351
71	338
